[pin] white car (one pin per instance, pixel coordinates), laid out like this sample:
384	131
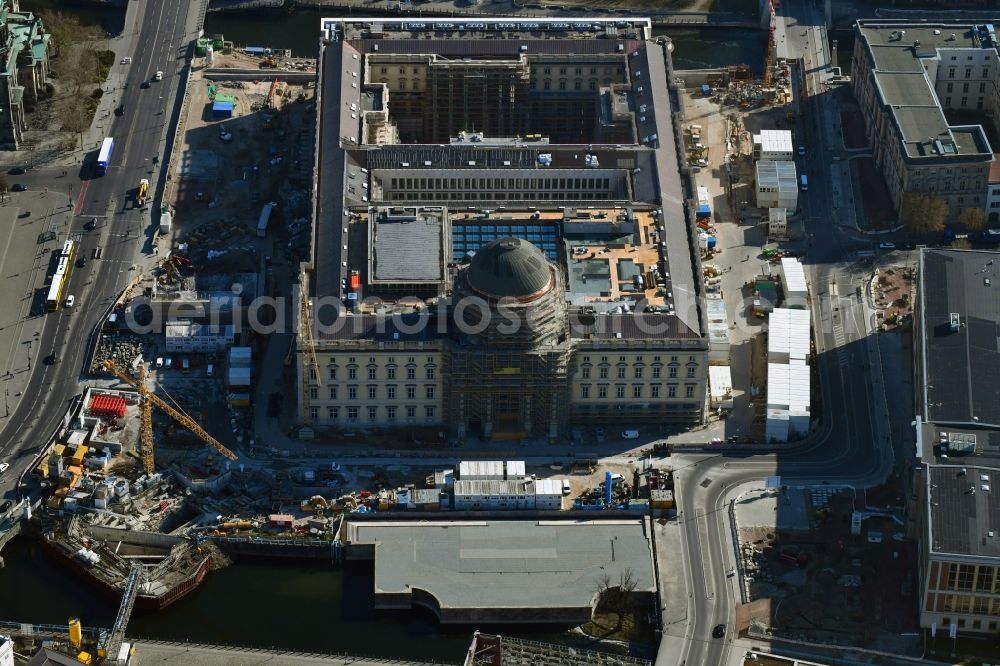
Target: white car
159	76
4	466
70	301
886	245
126	60
802	150
159	361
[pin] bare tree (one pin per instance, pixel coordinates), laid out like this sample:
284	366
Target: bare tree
960	244
972	219
617	598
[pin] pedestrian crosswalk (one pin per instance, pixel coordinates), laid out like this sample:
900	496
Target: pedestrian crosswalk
840	342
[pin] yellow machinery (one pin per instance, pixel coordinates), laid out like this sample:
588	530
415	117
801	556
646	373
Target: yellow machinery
75	632
146	431
142	192
177	415
306	339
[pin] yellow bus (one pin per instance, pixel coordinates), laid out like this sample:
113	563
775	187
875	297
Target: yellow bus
61	276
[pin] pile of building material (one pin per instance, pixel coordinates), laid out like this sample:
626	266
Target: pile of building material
124	350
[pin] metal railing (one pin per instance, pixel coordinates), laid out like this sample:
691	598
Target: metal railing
272	651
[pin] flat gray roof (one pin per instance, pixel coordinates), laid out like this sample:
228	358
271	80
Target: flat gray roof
409	248
497	564
960	367
962	519
667	164
960	440
898	51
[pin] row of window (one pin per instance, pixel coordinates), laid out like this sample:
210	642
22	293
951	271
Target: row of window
390	373
638	390
961	603
973	578
964	103
391	413
333	392
968	72
977	625
637	372
965	87
540	195
641	359
577	84
438	184
579	70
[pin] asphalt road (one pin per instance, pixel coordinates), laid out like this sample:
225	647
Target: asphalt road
161	38
852	448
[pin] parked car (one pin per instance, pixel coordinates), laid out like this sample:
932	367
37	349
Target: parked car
167	361
886	245
159	361
126	60
802	151
19	187
16	171
630	434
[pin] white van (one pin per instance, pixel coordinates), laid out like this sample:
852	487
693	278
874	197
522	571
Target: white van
210	370
567	489
804	181
630	434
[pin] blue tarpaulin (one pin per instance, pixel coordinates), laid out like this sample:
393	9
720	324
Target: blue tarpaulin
706	90
222	109
704	210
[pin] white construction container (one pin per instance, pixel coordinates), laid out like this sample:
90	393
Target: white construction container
793	282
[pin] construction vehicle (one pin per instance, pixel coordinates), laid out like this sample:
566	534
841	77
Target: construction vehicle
142	193
268	63
146	436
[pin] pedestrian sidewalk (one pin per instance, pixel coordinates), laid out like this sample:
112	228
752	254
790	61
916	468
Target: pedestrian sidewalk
674	593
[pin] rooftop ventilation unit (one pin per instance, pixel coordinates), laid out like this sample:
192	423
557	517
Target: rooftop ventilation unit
955	321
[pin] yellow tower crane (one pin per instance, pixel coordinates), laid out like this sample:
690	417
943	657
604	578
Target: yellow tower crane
177	415
146	431
309	348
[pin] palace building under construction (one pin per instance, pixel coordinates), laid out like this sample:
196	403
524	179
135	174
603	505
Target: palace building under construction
501	244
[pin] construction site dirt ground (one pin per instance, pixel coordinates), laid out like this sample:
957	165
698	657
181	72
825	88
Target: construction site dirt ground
826	584
717	124
227	168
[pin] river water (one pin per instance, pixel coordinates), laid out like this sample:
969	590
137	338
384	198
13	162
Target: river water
294	605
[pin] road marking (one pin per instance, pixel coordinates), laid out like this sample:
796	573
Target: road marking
840	341
80	197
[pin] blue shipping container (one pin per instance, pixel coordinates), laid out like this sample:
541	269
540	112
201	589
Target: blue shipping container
222	109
